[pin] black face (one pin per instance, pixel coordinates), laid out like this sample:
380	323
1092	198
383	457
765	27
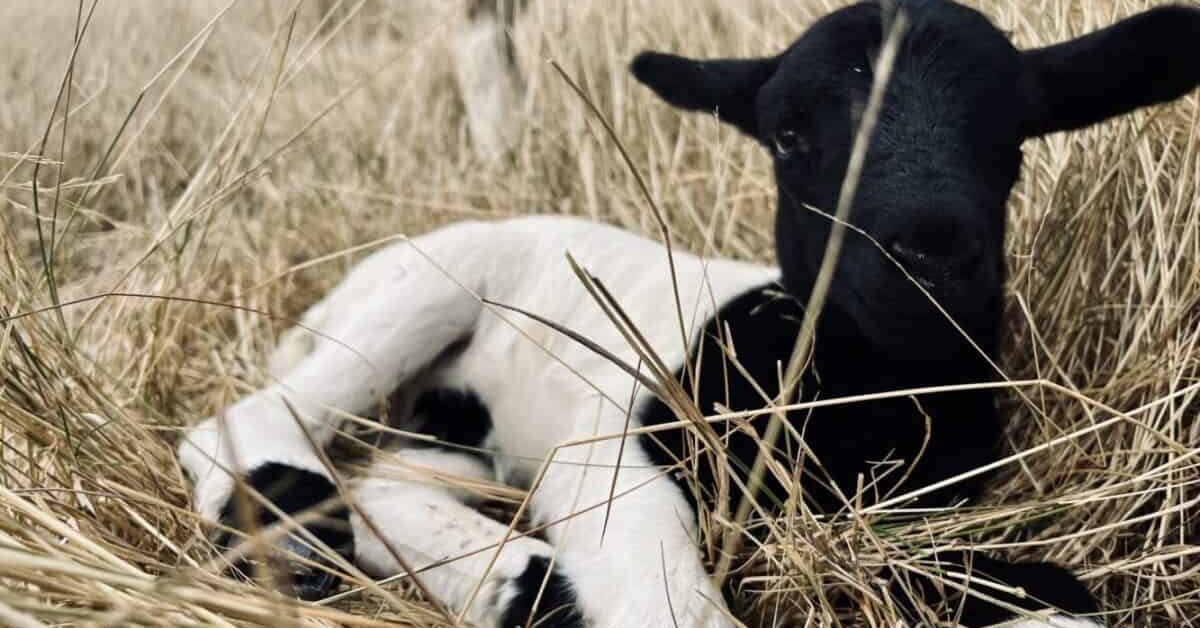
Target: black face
944	156
931	198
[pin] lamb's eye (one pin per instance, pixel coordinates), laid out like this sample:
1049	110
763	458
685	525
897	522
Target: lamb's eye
788	142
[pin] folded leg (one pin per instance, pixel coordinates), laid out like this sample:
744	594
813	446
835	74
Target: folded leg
635	563
1051	596
387	321
427	521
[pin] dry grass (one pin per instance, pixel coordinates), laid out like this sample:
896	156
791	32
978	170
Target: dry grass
205	158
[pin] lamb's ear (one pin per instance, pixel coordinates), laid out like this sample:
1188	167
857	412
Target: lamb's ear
1149	58
726	87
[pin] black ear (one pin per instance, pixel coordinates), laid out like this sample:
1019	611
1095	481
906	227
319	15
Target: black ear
726	87
1149	58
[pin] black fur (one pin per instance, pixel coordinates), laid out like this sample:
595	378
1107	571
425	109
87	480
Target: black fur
1150	58
555	609
850	439
717	86
932	200
458	419
1046	585
946	151
295	491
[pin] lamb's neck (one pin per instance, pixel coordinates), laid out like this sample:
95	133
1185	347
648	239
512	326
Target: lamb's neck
844	353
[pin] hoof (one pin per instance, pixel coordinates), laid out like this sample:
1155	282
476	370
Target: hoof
310	583
295	491
1046	585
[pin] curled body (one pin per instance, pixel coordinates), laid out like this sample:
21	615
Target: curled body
428	324
394	319
503	392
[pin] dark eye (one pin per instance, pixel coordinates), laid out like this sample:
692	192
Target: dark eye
788	142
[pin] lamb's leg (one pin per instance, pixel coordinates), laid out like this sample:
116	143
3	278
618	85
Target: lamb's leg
1045	586
394	315
450	545
642	568
488	77
297	342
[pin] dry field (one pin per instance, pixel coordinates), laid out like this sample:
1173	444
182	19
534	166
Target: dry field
191	173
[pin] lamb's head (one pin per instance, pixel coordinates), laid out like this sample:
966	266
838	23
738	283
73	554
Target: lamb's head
946	152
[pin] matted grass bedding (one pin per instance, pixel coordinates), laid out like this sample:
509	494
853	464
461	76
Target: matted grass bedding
213	167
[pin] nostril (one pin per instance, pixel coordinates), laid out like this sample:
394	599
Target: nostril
905	252
939	242
948	256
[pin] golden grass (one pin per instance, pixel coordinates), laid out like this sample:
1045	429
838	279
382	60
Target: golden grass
207	157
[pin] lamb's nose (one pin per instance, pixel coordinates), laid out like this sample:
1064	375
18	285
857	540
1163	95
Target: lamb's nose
937	247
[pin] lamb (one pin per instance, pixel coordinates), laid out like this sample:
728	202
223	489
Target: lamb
429	325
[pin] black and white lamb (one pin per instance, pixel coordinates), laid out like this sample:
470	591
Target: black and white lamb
415	323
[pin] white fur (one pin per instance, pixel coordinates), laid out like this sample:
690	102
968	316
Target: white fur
402	306
361	354
445	541
381	329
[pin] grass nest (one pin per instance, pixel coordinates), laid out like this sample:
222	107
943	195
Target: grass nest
180	179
